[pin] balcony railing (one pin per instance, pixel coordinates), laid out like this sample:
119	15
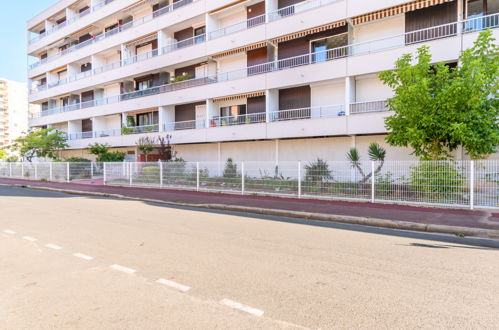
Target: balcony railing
239	26
114	31
250	118
328	111
370	106
184	125
308	113
297	8
287	63
128	61
70	21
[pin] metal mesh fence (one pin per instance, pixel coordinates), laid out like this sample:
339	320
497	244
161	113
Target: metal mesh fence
447	183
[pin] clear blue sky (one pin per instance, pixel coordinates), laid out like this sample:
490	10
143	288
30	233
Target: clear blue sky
13	17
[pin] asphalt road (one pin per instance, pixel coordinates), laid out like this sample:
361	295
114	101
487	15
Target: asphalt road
72	262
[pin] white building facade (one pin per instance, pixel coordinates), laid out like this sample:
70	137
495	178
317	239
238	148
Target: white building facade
14	111
248	79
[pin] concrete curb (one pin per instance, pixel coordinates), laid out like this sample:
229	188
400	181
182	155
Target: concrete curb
364	221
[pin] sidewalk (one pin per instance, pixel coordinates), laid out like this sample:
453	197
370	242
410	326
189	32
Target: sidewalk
385	215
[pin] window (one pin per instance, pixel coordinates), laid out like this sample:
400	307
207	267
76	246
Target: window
319	47
199	34
86	67
478	8
147	119
145	84
233	111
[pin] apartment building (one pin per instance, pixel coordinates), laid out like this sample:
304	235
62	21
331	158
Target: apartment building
14	110
247	79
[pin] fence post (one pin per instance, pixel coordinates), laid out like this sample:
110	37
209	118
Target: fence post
161	174
299	179
50	171
68	178
372	182
91	170
242	178
22	170
130	173
197	176
104	174
36	171
472	184
10	170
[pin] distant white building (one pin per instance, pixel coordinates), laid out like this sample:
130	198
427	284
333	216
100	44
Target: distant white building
14	110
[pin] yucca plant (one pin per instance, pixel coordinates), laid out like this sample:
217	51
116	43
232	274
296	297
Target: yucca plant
375	152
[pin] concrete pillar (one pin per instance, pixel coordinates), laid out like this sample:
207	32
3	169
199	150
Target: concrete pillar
73	69
271	103
276	152
460	15
211	25
166	118
349	93
70	14
164	39
97	61
212	110
123	119
49	25
74	126
99	124
270	6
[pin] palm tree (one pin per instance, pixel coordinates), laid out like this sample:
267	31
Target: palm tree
376	154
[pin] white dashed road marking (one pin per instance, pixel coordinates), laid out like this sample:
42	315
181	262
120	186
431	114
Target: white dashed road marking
29	238
83	256
10	232
53	246
174	285
241	307
123	269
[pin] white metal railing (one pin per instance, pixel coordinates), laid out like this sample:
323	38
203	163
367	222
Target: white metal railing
297	8
369	106
185	125
70	21
120	28
251	118
458	184
239	26
337	110
287	63
131	60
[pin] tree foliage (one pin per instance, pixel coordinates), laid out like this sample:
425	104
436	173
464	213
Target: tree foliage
439	108
3	154
146	145
103	154
40	143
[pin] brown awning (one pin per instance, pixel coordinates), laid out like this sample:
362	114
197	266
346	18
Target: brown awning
142	40
396	10
240	49
309	31
239	96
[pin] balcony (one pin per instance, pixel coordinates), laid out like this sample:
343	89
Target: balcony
371	106
119	29
125	62
278	116
442	31
70	21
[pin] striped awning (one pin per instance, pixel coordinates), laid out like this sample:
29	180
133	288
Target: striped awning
239	96
309	31
396	10
82	32
240	49
142	40
136	5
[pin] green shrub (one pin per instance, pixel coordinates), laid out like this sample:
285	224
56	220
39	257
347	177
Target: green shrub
150	174
116	156
77	160
437	180
318	171
230	170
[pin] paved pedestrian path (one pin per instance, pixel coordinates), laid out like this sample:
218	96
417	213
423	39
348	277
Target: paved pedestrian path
481	219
